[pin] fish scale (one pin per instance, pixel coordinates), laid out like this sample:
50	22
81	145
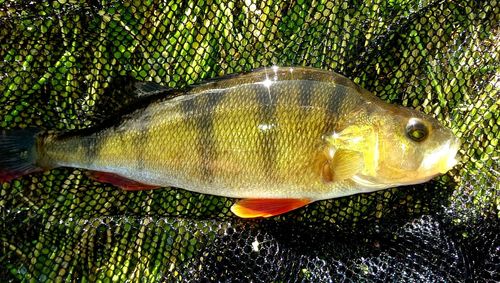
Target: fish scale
297	134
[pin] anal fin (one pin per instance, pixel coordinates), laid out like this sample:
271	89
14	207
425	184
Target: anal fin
120	181
253	208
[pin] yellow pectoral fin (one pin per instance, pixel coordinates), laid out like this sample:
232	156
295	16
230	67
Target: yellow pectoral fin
343	165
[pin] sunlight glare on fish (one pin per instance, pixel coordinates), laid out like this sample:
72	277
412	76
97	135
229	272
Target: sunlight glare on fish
267	82
265	127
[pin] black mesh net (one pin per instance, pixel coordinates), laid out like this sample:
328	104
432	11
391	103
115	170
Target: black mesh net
61	59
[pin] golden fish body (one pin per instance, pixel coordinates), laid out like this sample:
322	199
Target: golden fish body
272	133
278	137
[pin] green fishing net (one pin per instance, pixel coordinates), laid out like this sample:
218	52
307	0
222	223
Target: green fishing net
60	60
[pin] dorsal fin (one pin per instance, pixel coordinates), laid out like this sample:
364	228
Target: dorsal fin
145	89
126	93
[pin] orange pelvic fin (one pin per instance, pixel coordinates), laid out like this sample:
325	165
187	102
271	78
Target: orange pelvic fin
119	181
252	208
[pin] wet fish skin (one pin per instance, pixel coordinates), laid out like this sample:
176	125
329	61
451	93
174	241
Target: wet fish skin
254	135
279	133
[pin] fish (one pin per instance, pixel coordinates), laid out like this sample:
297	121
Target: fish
276	138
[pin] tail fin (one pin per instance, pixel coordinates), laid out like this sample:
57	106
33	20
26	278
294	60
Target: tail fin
17	153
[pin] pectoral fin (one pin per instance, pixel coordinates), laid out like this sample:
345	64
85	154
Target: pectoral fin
252	208
343	165
120	181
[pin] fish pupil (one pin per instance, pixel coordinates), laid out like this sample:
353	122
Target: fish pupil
416	130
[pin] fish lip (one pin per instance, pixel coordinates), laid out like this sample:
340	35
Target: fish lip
442	159
453	157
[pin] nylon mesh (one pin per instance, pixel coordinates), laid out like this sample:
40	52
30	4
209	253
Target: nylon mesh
61	59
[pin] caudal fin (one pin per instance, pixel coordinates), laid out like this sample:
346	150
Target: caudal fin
17	153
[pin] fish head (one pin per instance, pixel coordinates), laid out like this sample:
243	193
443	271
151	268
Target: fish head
411	148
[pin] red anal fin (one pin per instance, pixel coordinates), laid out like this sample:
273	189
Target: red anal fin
252	208
120	181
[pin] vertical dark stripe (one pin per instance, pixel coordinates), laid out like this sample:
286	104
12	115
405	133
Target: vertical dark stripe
200	115
92	147
306	89
188	107
337	99
69	147
312	102
268	131
141	141
207	142
336	104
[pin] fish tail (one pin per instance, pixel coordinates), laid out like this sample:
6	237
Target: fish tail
18	153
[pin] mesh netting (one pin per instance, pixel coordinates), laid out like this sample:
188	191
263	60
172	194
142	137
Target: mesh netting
61	59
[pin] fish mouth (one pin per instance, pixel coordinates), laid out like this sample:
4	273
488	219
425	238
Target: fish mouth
442	159
451	158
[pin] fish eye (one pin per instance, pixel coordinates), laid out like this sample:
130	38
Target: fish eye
416	130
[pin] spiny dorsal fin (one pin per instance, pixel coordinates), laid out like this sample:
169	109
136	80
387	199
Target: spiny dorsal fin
126	93
144	89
